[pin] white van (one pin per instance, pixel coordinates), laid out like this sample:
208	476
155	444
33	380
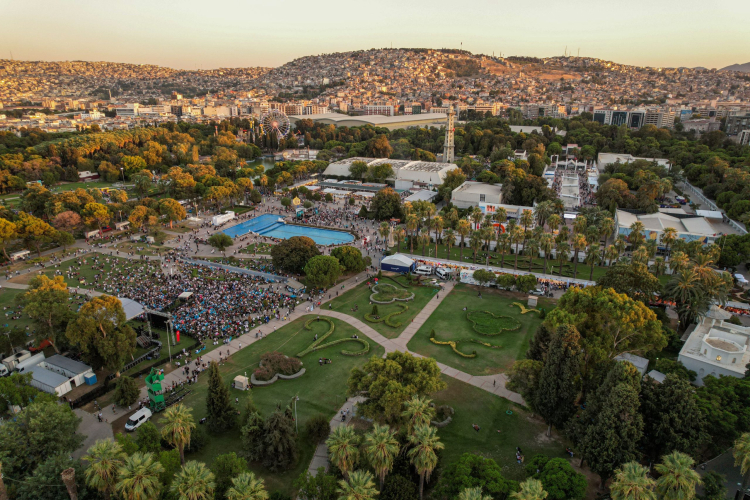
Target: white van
423	270
137	419
444	273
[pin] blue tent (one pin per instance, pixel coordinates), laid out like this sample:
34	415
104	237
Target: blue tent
398	263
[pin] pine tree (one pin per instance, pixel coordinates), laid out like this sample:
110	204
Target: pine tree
278	445
612	438
221	415
558	384
252	436
672	419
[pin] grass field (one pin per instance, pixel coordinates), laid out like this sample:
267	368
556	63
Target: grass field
450	322
257	248
87	272
7	302
322	389
473	405
360	297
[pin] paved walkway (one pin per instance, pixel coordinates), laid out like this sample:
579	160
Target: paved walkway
320	458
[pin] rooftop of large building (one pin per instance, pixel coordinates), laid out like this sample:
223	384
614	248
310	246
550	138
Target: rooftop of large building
474	187
659	221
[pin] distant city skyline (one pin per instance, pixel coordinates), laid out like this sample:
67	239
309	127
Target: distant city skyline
232	33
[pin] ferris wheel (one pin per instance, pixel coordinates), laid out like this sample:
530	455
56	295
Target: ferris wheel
275	123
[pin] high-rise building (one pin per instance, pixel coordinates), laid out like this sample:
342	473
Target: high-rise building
745	138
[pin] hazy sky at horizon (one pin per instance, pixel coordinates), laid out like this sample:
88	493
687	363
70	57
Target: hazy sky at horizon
192	34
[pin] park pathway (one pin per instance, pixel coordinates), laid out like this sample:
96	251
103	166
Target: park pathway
320	458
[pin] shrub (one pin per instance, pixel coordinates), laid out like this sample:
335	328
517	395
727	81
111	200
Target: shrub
198	440
318	427
275	362
126	392
374	310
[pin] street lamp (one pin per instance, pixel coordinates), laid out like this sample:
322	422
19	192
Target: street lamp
296	425
122	170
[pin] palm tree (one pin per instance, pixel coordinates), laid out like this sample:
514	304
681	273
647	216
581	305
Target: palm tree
178	425
487	233
424	238
659	266
463	229
531	248
606	228
418	412
579	244
592	258
526	220
104	457
194	482
384	230
138	477
678	262
381	447
553	222
437	224
422	455
475	242
515	239
449	239
247	487
543	211
632	483
399	232
360	486
636	236
472	494
580	224
476	216
503	244
500	216
611	255
343	448
704	268
411	227
667	238
546	244
641	255
678	478
562	249
742	457
531	489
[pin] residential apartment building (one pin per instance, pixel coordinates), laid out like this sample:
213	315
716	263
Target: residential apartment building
745	138
738	123
377	109
660	118
701	126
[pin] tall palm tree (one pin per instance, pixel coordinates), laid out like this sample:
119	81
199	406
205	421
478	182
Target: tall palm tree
503	246
640	255
247	487
592	258
742	457
531	489
399	232
531	248
678	478
546	244
138	477
422	454
606	228
411	227
543	211
424	237
104	457
343	448
384	230
668	236
472	494
418	411
516	237
500	216
659	266
381	448
580	224
526	220
553	222
678	262
178	425
476	216
611	255
579	244
632	483
705	269
562	250
475	242
194	482
463	229
620	243
636	236
359	486
487	234
449	239
437	224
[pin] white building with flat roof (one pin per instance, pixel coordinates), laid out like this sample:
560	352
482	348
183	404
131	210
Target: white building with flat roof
605	159
716	347
472	194
688	227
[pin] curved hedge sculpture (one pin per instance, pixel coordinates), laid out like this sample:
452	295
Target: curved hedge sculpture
455	344
387	288
525	309
387	317
446	410
275	378
486	323
318	344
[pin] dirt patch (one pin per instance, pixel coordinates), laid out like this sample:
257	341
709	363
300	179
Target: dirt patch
543	438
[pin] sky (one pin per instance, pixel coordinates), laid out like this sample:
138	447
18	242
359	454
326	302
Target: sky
192	34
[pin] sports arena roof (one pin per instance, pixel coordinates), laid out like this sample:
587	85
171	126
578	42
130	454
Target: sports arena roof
425	172
390	122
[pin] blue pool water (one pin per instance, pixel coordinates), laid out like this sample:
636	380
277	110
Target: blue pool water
269	225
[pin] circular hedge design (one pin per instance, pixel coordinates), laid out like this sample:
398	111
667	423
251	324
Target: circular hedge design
486	323
385	293
318	344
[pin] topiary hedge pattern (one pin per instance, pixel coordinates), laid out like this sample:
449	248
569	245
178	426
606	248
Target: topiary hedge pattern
385	293
274	362
525	309
387	318
455	344
486	323
318	344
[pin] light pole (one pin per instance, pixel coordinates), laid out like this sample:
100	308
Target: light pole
169	325
122	170
296	425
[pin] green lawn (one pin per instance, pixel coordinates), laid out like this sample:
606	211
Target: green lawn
450	323
86	271
7	303
69	186
473	405
257	248
360	296
322	389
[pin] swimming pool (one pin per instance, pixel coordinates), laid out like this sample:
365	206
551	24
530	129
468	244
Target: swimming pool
269	225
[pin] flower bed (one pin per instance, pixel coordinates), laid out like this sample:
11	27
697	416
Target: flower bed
385	293
486	323
273	363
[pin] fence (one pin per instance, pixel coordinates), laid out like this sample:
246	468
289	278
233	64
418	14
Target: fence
271	277
702	197
139	359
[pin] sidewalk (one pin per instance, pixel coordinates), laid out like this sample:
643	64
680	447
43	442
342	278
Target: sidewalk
320	458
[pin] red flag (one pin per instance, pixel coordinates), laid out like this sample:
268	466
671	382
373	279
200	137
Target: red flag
177	335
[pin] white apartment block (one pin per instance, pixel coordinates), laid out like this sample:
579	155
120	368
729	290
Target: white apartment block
745	138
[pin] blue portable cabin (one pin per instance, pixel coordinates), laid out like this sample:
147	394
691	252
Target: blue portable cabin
398	263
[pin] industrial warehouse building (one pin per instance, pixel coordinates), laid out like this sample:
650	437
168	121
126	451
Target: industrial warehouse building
408	173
